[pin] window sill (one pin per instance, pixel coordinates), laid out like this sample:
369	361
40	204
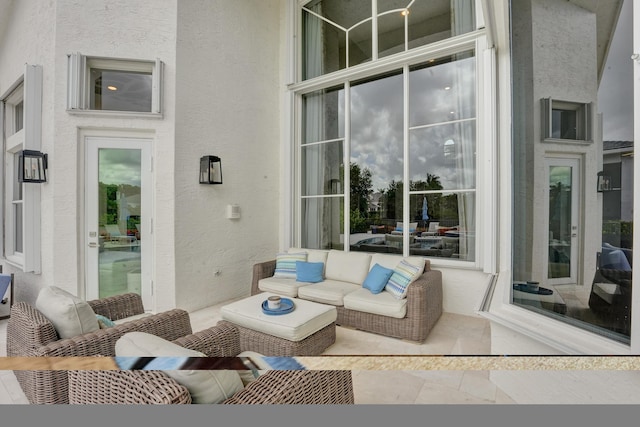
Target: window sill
15	262
121	114
567	141
561	336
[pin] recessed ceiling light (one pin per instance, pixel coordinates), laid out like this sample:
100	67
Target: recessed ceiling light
112	88
447	87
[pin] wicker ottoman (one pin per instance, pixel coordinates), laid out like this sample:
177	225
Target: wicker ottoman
307	331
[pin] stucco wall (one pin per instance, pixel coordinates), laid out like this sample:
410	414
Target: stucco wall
22	45
119	29
230	88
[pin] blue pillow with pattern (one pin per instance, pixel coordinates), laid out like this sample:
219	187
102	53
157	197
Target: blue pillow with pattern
286	264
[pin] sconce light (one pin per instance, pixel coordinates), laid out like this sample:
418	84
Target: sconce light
210	170
604	182
32	166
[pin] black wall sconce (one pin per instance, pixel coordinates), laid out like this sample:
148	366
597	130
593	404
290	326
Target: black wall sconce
210	170
32	166
604	182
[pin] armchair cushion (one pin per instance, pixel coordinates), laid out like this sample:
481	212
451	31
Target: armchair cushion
69	314
204	386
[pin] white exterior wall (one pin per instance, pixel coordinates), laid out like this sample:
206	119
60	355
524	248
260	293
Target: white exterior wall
230	88
143	29
120	29
20	45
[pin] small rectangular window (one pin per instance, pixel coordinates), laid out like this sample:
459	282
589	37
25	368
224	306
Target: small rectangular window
566	121
120	90
116	85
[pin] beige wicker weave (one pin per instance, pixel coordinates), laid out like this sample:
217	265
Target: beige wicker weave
29	333
222	340
154	387
424	307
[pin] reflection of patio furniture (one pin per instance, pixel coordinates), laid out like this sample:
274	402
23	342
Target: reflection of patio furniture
114	269
400	228
433	229
541	300
611	288
115	235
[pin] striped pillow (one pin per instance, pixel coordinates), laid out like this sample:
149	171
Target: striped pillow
286	264
403	275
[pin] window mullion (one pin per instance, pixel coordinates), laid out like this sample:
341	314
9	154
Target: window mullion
405	156
374	30
347	166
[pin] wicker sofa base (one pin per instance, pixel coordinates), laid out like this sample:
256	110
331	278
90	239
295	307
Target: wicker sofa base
269	345
424	307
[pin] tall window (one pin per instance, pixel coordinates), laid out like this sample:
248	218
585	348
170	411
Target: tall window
572	170
338	34
366	133
14	134
22	107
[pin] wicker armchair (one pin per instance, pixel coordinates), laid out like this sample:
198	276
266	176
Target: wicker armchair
222	340
30	333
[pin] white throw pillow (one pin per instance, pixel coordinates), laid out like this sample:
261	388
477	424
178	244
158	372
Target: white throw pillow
69	314
212	386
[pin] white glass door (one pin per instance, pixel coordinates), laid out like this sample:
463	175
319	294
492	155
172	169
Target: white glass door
562	221
118	220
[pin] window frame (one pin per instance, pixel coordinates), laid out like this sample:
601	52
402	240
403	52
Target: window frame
79	68
26	90
486	177
583	121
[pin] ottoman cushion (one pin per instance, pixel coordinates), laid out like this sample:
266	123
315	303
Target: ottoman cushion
307	317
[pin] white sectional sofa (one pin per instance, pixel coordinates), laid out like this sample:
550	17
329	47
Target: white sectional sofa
411	317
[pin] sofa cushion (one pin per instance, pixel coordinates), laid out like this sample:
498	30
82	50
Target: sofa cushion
391	261
69	314
286	264
281	286
377	279
403	275
132	318
310	272
313	255
328	292
351	267
383	303
204	386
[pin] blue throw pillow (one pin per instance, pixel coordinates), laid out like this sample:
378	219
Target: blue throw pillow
311	272
377	279
104	322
